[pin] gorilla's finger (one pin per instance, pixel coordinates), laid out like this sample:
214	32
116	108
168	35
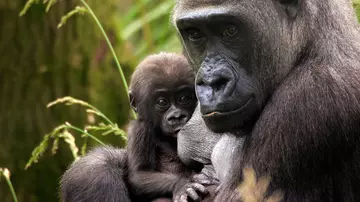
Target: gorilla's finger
200	188
193	195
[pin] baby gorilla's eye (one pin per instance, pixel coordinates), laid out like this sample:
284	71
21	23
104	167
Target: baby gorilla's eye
184	100
162	103
230	31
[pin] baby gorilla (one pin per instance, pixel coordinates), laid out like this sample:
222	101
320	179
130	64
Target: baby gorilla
162	93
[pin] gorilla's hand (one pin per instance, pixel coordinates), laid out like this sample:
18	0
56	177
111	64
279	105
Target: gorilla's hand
207	176
191	190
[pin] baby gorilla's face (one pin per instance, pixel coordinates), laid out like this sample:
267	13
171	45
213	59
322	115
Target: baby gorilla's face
162	92
174	107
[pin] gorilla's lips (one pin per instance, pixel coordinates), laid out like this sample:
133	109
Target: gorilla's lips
228	121
211	114
227	113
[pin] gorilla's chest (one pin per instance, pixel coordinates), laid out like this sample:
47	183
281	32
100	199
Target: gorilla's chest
223	153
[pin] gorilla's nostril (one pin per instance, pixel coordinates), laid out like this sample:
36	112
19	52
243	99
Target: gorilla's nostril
200	82
217	83
220	83
217	80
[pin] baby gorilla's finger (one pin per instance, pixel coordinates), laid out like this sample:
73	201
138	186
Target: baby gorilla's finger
183	198
205	180
192	194
202	179
200	188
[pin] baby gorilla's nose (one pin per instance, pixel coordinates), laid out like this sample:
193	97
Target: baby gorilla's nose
176	118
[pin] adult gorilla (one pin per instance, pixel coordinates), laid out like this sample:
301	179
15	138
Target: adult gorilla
287	73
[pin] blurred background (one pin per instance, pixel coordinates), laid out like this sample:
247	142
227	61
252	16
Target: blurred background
40	63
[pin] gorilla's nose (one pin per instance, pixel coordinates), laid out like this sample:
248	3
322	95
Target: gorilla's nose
219	81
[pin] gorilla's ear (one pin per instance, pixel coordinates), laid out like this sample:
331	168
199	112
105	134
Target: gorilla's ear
132	101
291	6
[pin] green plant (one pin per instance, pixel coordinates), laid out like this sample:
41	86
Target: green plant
62	131
6	174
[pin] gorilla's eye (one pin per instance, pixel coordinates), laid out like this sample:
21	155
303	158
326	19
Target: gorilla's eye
194	35
230	31
162	103
184	100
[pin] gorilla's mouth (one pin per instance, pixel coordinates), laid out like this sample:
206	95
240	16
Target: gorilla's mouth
217	114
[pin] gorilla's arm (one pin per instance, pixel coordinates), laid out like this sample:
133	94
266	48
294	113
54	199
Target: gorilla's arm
196	141
144	177
155	184
197	144
98	176
142	158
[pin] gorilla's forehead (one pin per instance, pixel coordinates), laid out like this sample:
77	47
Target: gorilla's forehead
187	9
200	7
203	11
199	3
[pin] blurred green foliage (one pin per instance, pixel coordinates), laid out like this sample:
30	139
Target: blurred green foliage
357	7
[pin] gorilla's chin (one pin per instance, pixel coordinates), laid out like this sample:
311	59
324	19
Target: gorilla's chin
229	121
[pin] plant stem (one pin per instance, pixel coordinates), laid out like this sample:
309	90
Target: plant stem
7	178
86	133
123	79
12	190
102	115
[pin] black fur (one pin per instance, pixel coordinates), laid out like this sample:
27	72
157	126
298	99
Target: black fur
287	73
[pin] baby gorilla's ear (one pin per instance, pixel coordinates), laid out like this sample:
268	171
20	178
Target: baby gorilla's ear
132	101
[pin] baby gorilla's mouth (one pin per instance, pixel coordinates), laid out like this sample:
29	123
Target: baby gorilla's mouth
173	131
176	132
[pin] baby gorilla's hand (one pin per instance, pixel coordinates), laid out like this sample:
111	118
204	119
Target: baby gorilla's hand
207	176
205	179
192	191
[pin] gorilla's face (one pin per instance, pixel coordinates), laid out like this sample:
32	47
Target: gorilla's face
236	51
